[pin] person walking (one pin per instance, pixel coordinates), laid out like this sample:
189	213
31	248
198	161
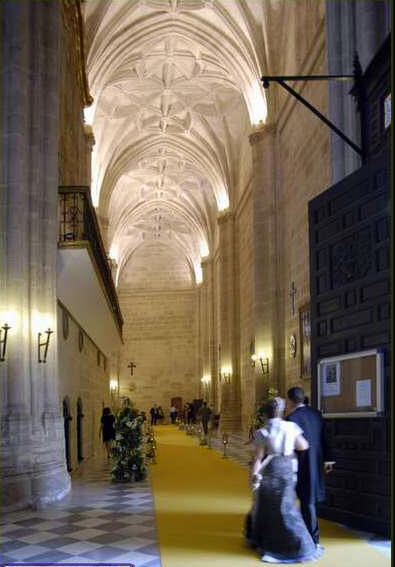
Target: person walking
313	463
173	414
107	431
160	415
275	526
154	414
190	414
205	414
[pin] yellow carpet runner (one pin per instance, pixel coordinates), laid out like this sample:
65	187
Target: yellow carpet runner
201	501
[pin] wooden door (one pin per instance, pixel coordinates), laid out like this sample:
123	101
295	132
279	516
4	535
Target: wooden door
177	403
350	310
80	439
67	440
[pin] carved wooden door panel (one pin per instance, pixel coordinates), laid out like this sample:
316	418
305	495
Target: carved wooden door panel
350	310
177	403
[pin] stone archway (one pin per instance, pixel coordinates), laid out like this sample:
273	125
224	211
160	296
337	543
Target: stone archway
67	436
80	431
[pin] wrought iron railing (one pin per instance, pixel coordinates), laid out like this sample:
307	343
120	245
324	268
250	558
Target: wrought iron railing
78	225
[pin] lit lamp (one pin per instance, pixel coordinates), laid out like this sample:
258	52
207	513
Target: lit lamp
226	375
263	360
44	345
10	321
113	386
206	381
3	340
225	441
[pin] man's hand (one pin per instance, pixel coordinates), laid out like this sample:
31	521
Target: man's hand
328	466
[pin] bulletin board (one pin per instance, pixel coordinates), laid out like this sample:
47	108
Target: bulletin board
351	385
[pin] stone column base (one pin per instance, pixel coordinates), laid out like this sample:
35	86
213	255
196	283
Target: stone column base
230	420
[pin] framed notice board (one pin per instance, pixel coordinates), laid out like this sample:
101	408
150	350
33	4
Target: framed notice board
351	385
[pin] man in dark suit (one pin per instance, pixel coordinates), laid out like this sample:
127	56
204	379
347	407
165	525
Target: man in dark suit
312	464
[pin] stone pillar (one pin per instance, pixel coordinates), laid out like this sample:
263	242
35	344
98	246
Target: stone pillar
351	26
209	351
230	386
265	256
32	464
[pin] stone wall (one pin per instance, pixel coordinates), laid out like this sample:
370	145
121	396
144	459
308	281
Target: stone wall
273	250
160	336
304	168
84	375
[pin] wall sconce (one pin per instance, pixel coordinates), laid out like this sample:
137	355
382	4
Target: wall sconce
206	380
113	386
226	375
44	344
263	360
3	340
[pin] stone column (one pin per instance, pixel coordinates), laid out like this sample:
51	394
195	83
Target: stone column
209	350
200	339
32	442
265	255
230	387
351	26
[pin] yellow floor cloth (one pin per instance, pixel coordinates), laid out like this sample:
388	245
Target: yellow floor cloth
201	501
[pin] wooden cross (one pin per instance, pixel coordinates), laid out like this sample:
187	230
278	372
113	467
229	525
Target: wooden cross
292	294
131	366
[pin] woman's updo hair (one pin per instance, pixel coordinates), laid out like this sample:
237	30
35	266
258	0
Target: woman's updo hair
274	407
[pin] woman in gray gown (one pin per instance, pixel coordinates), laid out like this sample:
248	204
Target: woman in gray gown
275	526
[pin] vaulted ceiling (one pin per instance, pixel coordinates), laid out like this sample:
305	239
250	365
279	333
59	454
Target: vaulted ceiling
176	90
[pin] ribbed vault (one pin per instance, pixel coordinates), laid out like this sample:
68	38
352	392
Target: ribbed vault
176	89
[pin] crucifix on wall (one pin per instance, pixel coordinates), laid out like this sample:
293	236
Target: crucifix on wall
131	366
292	294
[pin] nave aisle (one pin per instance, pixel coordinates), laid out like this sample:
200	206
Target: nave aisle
201	500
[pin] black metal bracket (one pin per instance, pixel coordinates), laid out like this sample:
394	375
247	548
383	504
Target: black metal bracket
356	92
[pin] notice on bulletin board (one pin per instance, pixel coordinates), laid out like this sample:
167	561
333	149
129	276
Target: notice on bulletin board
331	379
363	393
351	384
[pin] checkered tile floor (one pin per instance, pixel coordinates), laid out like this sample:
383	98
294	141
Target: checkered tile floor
98	521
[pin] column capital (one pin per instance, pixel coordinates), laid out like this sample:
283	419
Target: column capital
258	134
206	261
224	216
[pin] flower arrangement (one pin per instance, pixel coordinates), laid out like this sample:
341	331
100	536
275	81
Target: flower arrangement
127	452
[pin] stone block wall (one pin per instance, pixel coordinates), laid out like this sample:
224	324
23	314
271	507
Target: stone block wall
84	375
160	336
303	156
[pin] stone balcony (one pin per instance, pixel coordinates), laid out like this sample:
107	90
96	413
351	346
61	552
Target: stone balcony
85	282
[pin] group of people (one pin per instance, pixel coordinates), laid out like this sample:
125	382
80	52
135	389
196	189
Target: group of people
290	454
157	415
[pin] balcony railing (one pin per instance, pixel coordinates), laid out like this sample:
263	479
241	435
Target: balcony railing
78	226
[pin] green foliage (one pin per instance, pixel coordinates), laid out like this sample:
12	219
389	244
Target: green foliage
127	452
259	417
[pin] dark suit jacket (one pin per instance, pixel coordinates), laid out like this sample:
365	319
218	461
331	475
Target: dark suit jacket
310	486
